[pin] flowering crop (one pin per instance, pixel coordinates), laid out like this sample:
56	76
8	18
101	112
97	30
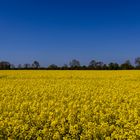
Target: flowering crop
66	105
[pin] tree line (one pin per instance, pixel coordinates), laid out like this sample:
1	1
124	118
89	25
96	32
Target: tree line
74	65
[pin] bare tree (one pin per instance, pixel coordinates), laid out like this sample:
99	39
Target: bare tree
92	64
74	63
19	66
99	65
27	66
36	64
126	65
64	67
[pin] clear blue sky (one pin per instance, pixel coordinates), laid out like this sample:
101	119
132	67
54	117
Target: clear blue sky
56	31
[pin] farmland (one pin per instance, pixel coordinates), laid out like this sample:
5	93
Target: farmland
66	105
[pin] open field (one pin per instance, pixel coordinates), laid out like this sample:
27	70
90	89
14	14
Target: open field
70	105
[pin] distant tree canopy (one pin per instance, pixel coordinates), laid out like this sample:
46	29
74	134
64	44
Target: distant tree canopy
126	65
5	65
52	67
137	62
113	66
75	65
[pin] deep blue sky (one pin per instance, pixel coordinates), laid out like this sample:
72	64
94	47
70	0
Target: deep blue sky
56	31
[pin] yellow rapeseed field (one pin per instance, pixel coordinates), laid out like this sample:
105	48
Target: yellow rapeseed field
64	105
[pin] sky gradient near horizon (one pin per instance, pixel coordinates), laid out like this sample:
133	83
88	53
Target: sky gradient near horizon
56	31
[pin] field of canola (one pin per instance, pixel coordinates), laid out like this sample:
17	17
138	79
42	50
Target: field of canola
65	105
